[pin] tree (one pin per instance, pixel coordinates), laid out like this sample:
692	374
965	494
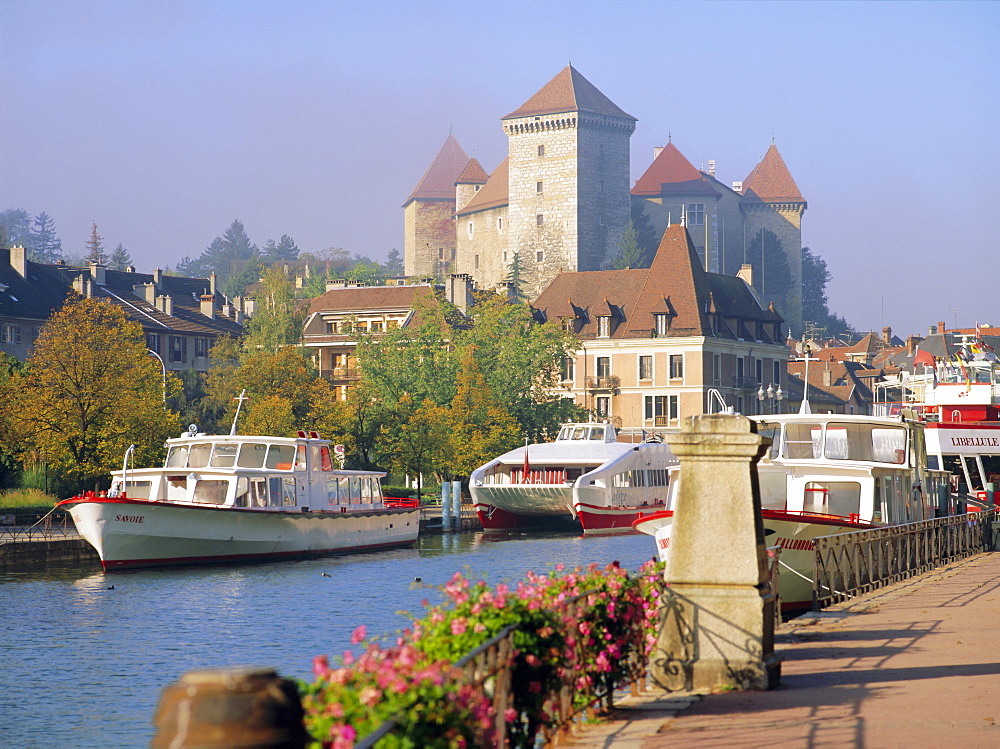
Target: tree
815	307
224	256
95	248
277	319
46	247
364	270
120	259
16	226
646	235
356	422
284	249
515	277
90	390
393	265
771	276
416	441
632	253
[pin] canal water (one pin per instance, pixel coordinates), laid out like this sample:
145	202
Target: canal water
84	655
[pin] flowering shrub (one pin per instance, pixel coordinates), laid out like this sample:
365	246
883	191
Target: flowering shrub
589	630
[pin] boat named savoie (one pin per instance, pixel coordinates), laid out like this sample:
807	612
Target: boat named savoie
235	498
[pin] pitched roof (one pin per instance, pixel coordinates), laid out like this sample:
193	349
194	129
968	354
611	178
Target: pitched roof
438	182
493	194
473	174
675	285
672	174
569	91
771	182
357	298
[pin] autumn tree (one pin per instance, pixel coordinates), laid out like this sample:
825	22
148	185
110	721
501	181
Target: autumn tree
356	422
416	441
90	389
277	319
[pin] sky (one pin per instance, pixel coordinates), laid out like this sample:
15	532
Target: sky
162	122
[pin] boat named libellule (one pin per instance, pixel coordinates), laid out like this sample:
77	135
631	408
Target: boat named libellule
826	474
585	479
235	498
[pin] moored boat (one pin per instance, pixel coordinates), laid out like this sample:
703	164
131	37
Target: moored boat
585	479
236	498
826	474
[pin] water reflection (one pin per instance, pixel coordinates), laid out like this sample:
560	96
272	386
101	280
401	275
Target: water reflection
85	655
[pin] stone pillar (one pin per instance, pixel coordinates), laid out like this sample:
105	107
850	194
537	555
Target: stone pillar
717	625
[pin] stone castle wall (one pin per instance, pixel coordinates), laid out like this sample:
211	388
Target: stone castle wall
428	236
785	220
482	253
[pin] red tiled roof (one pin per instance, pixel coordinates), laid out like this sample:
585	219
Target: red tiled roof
438	182
568	92
671	173
473	174
771	182
493	194
355	298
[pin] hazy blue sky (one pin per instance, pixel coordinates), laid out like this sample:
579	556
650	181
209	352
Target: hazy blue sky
164	121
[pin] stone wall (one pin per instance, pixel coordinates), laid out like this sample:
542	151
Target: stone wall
428	237
785	220
483	253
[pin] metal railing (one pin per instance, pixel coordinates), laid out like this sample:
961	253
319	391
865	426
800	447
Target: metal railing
37	527
496	664
849	564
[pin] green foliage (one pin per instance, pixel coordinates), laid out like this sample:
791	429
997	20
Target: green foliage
515	277
284	249
46	246
633	255
120	258
224	256
416	438
771	276
27	499
16	225
277	319
393	266
815	308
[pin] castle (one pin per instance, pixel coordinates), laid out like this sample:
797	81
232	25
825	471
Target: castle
561	202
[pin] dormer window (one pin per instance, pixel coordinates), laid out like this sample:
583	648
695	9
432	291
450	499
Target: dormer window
661	323
604	326
569	324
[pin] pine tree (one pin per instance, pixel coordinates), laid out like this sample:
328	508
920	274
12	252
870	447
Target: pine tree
46	247
95	248
633	255
516	278
771	276
284	249
120	259
16	225
394	264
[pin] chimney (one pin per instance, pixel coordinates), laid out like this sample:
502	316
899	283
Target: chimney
657	150
81	285
130	269
459	291
827	378
97	272
211	283
336	283
227	310
158	276
711	167
165	304
746	273
145	291
208	305
737	187
19	261
887	334
506	288
911	345
941	327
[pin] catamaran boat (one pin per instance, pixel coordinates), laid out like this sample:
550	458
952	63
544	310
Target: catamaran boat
585	479
825	474
236	498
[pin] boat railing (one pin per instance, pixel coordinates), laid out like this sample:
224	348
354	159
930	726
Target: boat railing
849	564
401	502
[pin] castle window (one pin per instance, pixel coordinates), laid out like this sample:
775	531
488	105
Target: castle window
539	219
477	188
661	324
776	378
500	224
476	262
696	214
471	230
541	152
539	256
538	187
677	366
505	257
603	327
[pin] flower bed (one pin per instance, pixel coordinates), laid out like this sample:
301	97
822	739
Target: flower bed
574	636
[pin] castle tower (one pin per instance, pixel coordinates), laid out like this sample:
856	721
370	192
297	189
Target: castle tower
773	206
428	215
568	148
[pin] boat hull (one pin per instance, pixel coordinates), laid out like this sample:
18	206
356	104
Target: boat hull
130	533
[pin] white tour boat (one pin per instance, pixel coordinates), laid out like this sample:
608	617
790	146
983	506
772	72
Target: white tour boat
235	498
585	478
826	474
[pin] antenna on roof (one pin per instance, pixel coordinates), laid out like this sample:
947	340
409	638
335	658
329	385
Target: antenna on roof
669	137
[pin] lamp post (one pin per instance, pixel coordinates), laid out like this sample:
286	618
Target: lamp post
163	369
772	396
804	407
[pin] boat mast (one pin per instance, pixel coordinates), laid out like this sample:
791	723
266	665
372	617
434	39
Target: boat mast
242	397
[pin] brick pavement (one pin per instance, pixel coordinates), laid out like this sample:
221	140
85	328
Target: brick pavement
914	665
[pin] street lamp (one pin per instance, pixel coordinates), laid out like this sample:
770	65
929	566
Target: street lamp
804	408
163	368
773	397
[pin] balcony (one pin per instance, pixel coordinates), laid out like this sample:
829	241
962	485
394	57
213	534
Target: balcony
611	382
745	383
338	374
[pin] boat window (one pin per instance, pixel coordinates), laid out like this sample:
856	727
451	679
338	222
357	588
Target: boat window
331	491
629	478
224	455
597	433
345	491
376	490
210	491
889	445
280	457
138	489
772	432
366	491
325	461
658	476
252	455
288	492
300	457
177	457
355	489
258	492
580	433
242	492
843	498
274	491
199	454
802	441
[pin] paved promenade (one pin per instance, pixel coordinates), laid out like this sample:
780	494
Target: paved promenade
913	665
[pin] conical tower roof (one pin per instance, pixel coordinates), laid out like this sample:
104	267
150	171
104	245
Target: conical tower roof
438	182
473	174
672	174
569	91
771	182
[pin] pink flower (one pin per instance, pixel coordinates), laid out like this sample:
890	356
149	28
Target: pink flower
370	696
510	715
321	667
458	625
359	634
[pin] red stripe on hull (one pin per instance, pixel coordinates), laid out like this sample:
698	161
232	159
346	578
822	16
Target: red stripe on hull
612	520
495	519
